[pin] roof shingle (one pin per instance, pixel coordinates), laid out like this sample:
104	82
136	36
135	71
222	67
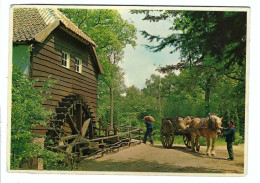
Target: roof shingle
29	22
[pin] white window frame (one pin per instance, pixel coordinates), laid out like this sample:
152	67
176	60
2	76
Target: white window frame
66	60
78	65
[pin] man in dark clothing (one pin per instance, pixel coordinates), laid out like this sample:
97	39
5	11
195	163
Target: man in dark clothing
149	130
230	138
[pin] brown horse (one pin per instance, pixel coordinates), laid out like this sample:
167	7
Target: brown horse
206	127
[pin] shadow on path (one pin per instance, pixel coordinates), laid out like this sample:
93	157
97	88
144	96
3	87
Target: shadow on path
142	166
184	149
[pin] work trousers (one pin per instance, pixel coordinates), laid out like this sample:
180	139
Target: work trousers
150	136
230	150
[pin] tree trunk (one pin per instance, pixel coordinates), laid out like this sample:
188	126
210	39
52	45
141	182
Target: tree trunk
207	96
111	105
159	97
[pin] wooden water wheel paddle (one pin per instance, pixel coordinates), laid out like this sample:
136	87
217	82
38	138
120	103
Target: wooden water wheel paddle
73	122
167	134
74	132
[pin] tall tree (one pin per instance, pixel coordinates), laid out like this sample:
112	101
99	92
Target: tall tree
196	34
213	42
111	33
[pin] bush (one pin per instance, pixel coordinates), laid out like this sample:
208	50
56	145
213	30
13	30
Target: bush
27	112
238	139
203	141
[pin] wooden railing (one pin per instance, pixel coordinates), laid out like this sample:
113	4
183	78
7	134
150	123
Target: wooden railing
113	138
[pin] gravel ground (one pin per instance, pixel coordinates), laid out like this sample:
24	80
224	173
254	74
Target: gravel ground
179	159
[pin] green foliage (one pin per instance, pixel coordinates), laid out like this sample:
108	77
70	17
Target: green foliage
54	161
212	46
111	33
28	112
212	66
203	141
221	35
238	139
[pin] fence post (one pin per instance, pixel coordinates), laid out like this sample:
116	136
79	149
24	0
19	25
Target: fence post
116	129
107	130
100	122
139	133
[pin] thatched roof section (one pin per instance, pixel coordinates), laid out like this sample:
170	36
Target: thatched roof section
36	24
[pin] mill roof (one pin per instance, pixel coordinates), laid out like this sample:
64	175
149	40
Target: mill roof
35	24
30	22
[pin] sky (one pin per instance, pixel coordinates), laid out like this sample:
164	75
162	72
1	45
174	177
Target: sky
139	63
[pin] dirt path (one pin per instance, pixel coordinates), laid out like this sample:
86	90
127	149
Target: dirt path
146	158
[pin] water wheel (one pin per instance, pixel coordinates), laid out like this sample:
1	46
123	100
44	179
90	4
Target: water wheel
72	124
167	134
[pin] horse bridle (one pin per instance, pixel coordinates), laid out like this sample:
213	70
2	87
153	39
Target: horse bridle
216	128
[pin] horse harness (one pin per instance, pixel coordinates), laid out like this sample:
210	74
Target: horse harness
202	120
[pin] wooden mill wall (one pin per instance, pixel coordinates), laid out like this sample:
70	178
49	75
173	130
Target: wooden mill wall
47	60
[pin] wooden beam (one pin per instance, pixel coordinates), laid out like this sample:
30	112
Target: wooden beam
41	36
80	117
72	124
69	137
85	128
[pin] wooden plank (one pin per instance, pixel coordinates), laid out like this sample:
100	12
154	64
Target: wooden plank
64	104
56	47
72	124
46	62
61	109
55	52
69	137
57	98
51	103
67	129
63	85
58	92
69	43
85	73
67	91
40	132
88	88
80	115
50	107
55	59
84	128
43	76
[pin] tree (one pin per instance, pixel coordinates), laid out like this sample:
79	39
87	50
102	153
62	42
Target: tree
196	34
28	112
210	43
111	33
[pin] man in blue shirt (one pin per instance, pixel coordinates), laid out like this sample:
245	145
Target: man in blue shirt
230	138
149	130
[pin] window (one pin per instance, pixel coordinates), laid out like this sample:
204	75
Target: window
65	59
78	65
